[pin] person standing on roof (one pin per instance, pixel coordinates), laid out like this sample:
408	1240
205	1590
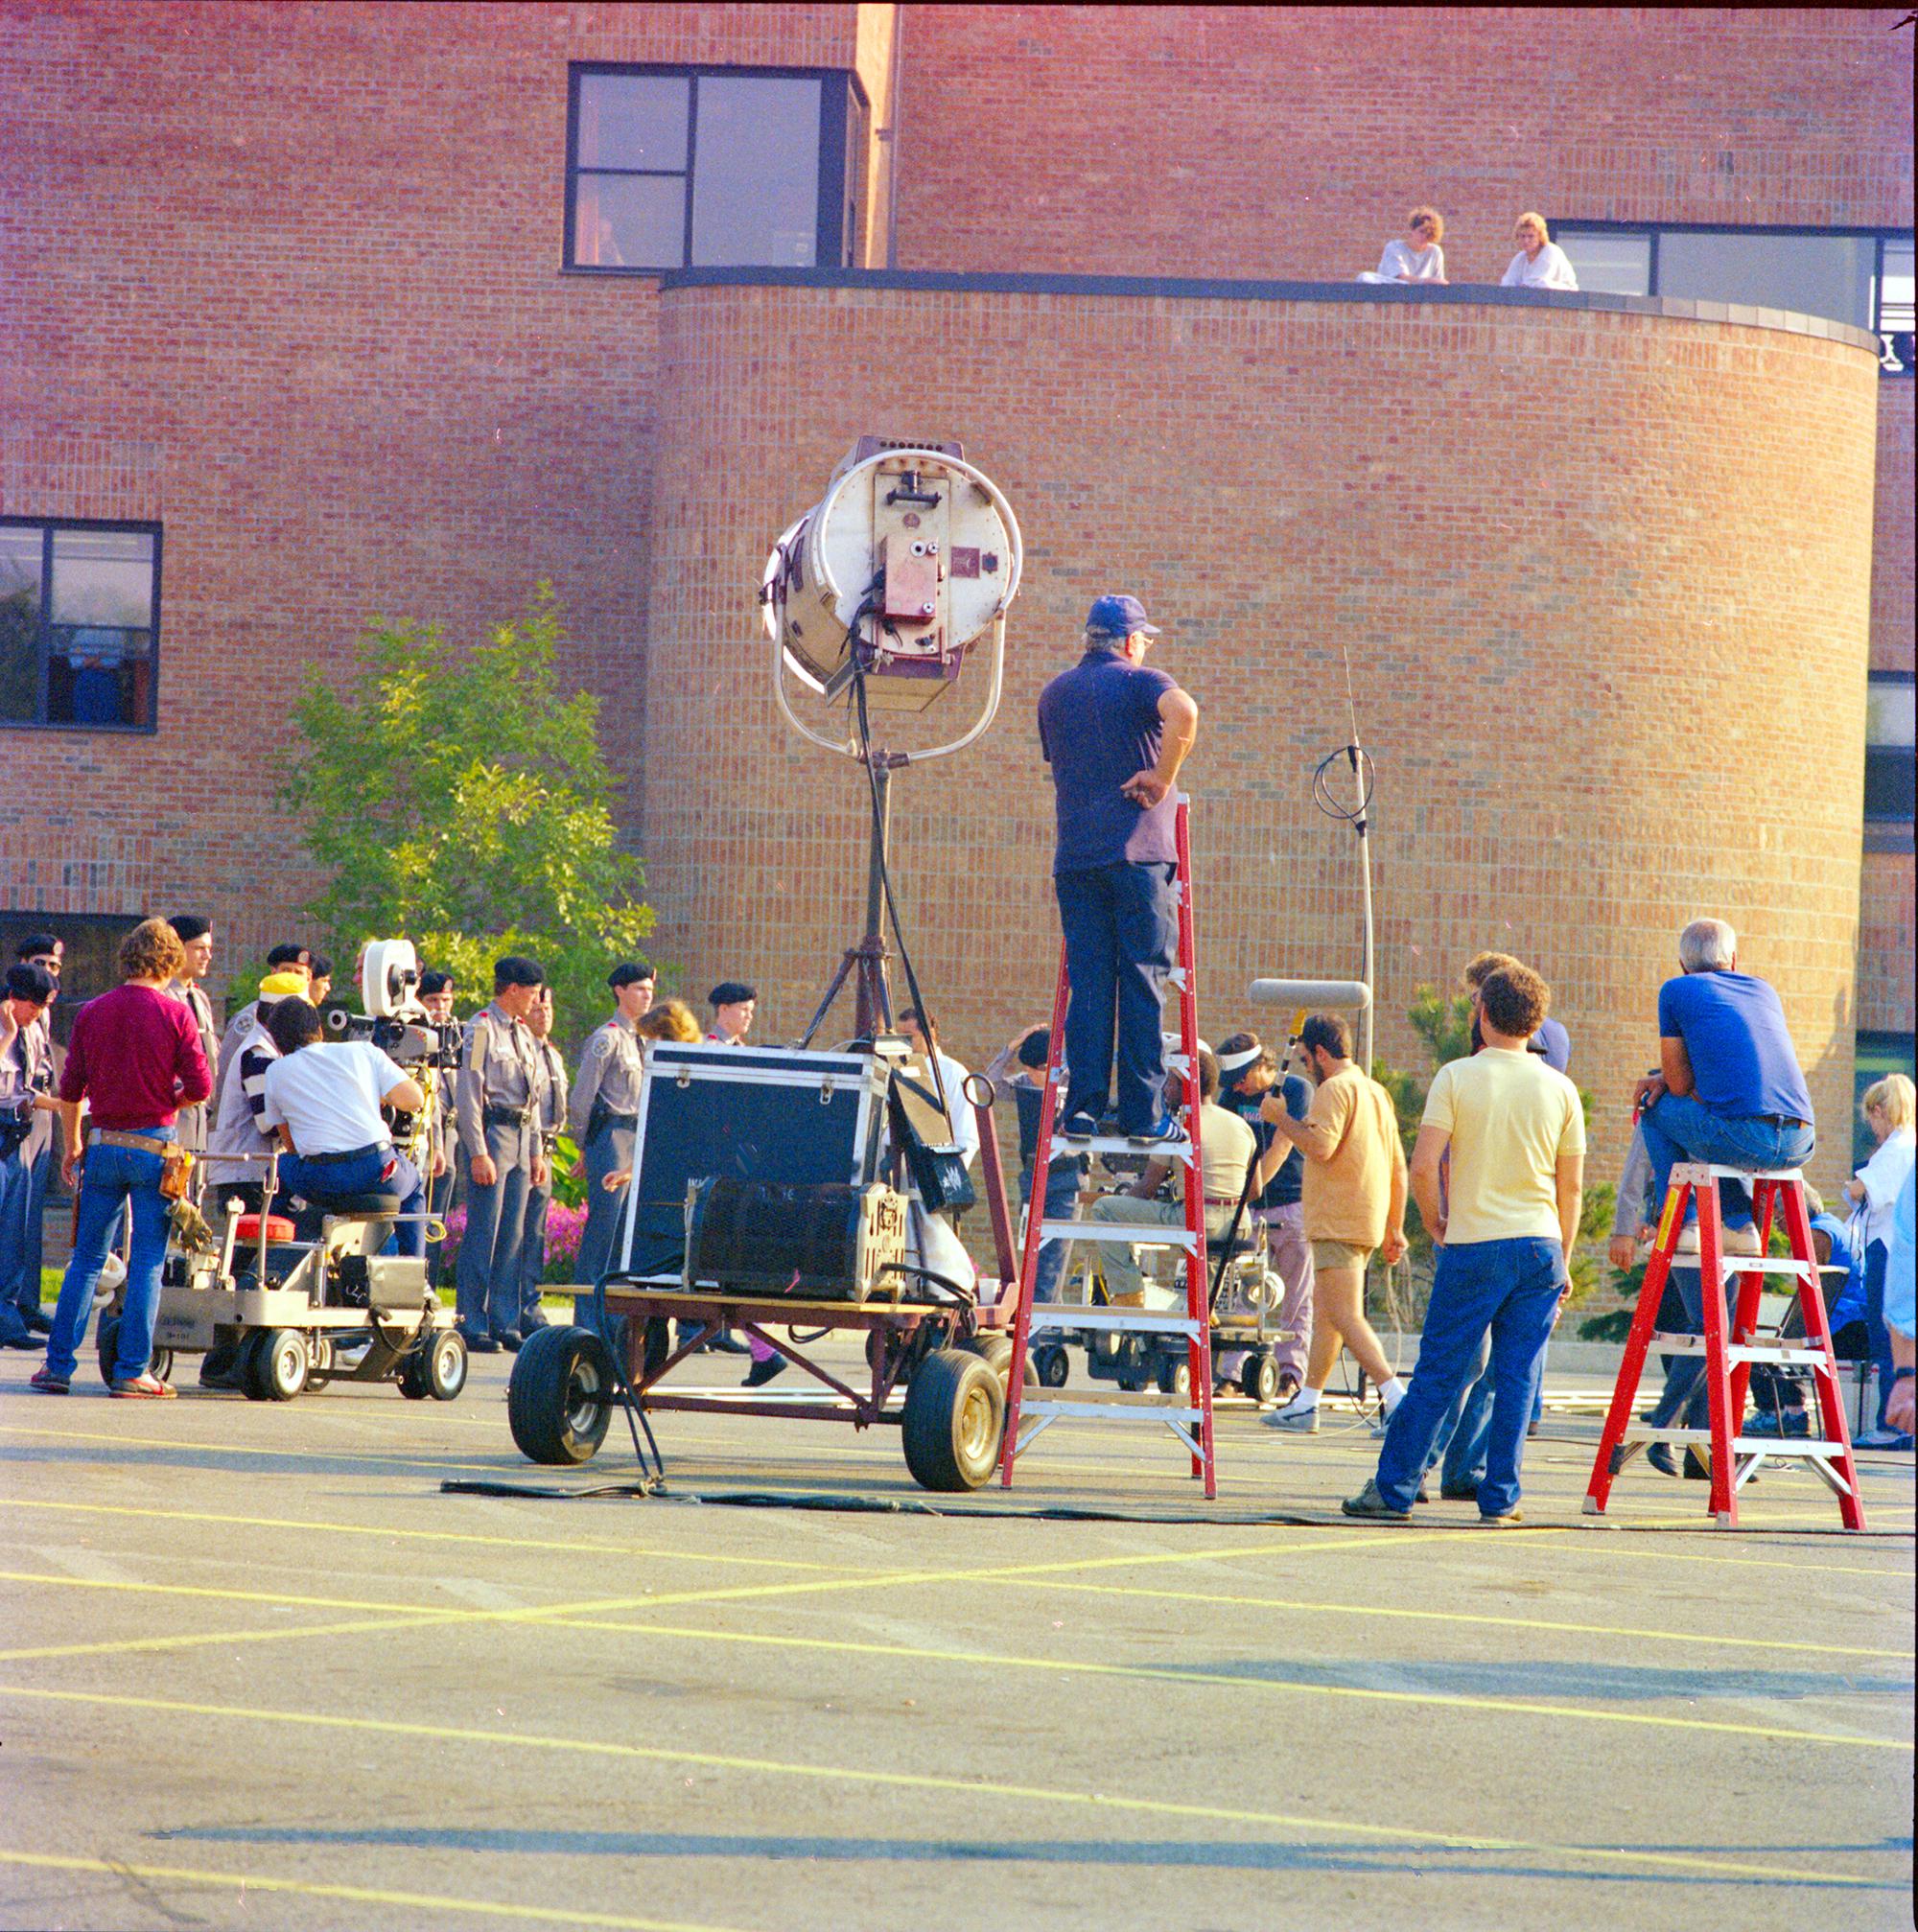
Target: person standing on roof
1115	735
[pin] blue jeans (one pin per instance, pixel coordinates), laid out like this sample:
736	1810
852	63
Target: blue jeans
30	1228
1466	1428
1681	1128
1510	1287
1685	1386
16	1184
1875	1258
315	1181
1121	937
1062	1193
114	1177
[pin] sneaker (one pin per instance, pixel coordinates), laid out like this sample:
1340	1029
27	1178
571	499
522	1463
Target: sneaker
1167	1128
1882	1438
1078	1127
763	1372
1779	1422
1510	1520
145	1389
1293	1421
1659	1456
481	1344
48	1383
1370	1503
1378	1422
726	1342
25	1339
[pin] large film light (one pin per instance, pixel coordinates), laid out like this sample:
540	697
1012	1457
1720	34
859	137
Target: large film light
908	559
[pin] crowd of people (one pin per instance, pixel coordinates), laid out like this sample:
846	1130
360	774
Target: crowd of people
1306	1142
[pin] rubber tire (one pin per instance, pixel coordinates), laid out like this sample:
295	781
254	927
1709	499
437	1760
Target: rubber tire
107	1341
1052	1363
550	1422
997	1349
955	1416
161	1364
1175	1375
246	1365
280	1362
446	1361
412	1376
1259	1377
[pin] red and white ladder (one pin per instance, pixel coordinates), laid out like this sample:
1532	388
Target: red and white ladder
1188	1416
1729	1356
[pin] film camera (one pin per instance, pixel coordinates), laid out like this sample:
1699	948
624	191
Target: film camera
393	1018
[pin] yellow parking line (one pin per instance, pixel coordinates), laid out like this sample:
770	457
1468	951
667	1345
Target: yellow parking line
356	1895
139	1586
964	1787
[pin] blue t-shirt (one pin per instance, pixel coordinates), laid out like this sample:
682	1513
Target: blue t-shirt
1552	1044
1099	725
1734	1031
1844	1300
1282	1190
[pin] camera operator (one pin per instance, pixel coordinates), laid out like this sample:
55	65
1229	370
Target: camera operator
324	1101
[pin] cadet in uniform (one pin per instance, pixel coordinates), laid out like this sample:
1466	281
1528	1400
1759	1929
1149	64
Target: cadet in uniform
604	1110
196	938
539	1196
443	1173
500	1076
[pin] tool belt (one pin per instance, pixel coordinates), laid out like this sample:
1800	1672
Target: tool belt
176	1162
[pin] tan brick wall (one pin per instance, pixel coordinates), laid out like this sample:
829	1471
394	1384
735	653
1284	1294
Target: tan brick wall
1569	646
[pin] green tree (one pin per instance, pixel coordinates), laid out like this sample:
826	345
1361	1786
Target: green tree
454	797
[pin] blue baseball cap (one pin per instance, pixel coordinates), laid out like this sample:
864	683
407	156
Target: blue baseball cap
1117	616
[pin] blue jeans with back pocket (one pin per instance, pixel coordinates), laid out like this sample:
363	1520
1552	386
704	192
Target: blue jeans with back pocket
114	1177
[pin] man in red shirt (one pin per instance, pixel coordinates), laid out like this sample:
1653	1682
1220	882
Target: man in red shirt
136	1059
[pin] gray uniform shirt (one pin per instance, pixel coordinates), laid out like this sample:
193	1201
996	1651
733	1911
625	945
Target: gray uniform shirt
193	1120
35	1048
552	1095
500	1066
610	1070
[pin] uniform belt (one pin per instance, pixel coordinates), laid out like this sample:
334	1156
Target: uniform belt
621	1120
507	1116
137	1143
377	1147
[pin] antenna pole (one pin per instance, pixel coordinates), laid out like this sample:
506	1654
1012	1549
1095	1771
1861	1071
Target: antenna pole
1361	826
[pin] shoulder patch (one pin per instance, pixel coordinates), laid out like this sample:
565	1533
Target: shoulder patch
601	1045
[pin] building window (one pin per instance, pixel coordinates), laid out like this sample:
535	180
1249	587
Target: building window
712	167
1888	758
90	954
1862	276
79	624
1874	1054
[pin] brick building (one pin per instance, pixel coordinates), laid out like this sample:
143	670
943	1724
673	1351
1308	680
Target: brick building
309	314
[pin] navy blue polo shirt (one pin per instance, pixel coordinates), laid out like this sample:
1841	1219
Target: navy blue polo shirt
1283	1189
1743	1060
1099	725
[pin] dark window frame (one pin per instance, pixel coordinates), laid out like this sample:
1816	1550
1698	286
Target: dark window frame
842	101
48	526
1890	768
1649	232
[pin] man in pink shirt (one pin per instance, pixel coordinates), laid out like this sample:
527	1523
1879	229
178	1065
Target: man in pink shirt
136	1058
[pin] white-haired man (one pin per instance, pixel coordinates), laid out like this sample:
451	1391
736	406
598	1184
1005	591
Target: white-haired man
1729	1089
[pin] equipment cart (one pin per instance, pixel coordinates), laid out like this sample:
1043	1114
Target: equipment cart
756	1205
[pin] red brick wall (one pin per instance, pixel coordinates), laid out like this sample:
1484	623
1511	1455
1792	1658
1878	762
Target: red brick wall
1574	584
1289	141
286	278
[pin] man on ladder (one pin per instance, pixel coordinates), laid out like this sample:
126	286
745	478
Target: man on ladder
1115	735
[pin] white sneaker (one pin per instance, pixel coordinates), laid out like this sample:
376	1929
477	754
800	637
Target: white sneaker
1293	1421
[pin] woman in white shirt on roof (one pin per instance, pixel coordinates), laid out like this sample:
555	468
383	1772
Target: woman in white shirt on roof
1541	262
1417	259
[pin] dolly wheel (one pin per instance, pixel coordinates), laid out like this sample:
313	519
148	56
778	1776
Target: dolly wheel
281	1364
1175	1375
108	1340
997	1349
1259	1377
445	1356
955	1414
1052	1364
559	1399
246	1368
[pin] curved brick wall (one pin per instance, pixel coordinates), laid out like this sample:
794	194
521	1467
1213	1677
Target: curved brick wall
1603	577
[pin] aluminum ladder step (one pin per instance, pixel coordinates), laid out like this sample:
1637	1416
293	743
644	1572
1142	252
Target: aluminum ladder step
1147	1234
1137	1321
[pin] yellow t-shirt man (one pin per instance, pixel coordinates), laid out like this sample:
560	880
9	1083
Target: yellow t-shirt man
1511	1118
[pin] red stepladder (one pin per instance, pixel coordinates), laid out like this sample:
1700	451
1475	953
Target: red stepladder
1729	1356
1189	1415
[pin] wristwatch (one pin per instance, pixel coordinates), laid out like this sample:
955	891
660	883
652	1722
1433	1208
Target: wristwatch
1903	1374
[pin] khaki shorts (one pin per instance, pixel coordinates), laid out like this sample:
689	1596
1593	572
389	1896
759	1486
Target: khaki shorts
1339	1254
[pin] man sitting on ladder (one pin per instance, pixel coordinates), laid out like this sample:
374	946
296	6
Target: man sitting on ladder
1115	735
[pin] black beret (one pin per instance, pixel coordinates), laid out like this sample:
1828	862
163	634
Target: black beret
629	972
517	969
190	926
731	992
